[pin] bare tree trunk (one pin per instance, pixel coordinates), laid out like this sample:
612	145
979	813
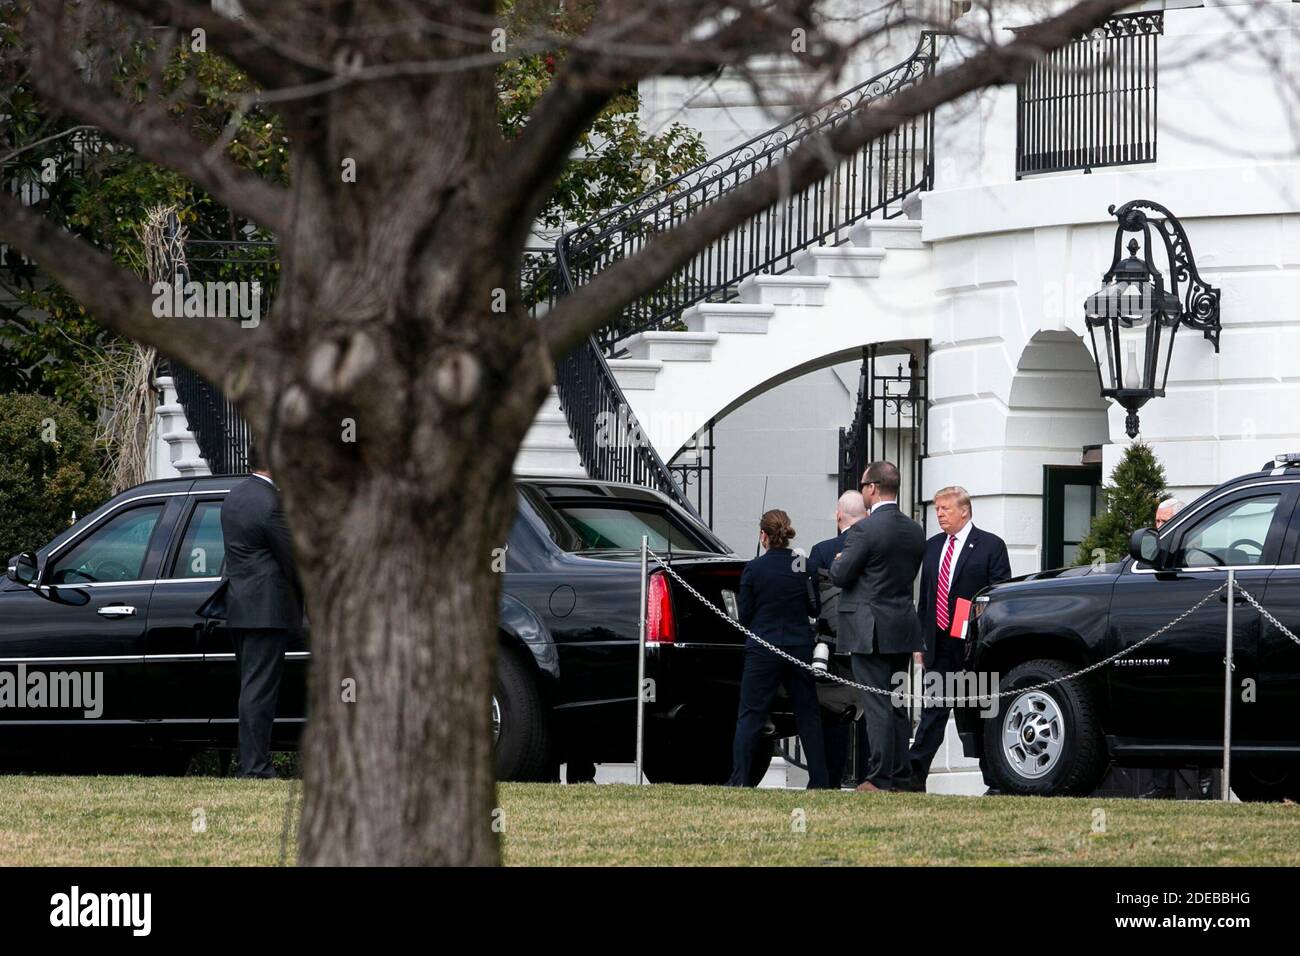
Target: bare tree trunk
399	763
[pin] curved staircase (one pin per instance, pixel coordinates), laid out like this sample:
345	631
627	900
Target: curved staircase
800	285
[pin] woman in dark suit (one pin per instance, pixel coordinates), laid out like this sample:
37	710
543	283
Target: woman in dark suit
776	602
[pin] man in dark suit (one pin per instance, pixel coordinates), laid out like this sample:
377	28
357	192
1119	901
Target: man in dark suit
878	623
849	510
263	608
959	562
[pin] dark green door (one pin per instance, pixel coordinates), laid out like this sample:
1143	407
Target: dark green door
1071	498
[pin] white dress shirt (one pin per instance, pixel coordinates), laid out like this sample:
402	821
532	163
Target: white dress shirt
957	550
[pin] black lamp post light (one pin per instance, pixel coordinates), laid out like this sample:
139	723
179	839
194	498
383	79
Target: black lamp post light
1136	316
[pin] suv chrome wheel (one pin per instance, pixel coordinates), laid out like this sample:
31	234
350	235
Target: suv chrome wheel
1033	734
496	720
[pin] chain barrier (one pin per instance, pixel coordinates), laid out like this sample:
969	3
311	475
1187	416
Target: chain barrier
1266	615
978	699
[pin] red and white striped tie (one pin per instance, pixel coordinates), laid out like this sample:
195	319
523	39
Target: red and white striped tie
941	595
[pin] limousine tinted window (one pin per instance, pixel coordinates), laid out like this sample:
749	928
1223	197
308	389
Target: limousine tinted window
203	550
115	551
620	527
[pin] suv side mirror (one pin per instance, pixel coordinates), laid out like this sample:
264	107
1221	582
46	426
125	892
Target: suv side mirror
1144	546
24	570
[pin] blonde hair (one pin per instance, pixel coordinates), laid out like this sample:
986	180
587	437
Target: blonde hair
954	491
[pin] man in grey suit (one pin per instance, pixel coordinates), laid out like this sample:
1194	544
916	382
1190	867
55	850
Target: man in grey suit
263	608
878	625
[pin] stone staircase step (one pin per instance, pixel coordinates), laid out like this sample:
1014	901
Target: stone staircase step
785	290
737	317
887	233
551	404
635	374
851	261
672	346
548	426
552	457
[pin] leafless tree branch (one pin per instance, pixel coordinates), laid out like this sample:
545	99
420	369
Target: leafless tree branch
122	301
598	302
234	39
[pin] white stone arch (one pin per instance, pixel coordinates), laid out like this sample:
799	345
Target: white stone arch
1054	411
777	443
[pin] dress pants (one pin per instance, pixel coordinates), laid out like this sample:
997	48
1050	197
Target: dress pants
763	673
947	659
837	750
260	653
888	727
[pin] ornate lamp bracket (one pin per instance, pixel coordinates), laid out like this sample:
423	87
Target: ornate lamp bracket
1199	301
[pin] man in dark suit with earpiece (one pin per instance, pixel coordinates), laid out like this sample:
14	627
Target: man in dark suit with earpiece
263	605
878	625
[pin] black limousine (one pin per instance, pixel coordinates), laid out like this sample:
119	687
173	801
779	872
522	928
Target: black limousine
1161	705
116	595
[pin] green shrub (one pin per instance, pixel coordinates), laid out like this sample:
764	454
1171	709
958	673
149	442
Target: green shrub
49	468
1136	486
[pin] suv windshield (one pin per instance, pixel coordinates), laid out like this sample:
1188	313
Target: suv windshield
619	527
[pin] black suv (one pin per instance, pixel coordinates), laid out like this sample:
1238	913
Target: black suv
116	595
1161	706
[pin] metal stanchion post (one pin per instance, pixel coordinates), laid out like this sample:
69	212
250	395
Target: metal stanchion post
640	662
1227	690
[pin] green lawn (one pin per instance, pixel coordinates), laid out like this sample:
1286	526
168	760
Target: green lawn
136	820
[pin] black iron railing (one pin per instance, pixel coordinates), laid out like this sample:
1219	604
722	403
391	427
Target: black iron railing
873	181
607	435
1093	102
222	434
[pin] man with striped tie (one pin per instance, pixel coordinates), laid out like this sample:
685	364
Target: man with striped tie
958	563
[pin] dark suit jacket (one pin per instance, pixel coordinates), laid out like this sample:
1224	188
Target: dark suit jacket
820	559
261	583
776	600
876	569
984	561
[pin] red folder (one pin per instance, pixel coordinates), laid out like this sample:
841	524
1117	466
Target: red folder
960	615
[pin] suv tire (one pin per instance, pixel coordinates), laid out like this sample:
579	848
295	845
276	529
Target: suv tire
1266	783
1045	742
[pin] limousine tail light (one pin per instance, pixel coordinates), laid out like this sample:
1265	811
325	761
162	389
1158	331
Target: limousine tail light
660	627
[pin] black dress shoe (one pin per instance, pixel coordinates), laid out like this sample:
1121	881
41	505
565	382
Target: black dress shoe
1157	793
911	785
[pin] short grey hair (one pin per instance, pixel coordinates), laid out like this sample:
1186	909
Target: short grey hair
851	504
1173	504
955	491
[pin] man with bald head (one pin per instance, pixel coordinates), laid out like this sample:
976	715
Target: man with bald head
849	510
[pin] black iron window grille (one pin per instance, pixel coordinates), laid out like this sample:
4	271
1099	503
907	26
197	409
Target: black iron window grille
890	423
1093	102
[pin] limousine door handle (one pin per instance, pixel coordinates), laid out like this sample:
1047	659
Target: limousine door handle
116	610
